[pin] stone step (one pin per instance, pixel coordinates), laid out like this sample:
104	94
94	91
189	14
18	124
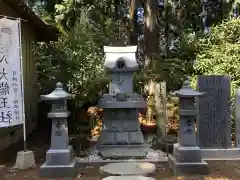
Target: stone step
128	168
123	153
128	178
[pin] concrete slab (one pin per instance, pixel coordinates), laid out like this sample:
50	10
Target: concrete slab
190	168
128	178
59	171
128	168
220	154
25	160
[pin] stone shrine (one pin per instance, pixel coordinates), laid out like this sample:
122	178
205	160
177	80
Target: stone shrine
214	118
186	157
59	158
121	136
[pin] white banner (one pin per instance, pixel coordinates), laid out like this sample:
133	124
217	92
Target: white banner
11	98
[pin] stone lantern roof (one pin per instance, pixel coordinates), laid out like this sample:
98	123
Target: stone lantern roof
58	94
187	91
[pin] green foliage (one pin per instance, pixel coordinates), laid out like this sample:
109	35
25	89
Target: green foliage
219	52
76	59
68	11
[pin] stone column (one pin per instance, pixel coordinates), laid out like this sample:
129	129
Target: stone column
186	157
237	121
59	159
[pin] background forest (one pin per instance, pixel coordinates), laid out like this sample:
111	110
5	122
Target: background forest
176	39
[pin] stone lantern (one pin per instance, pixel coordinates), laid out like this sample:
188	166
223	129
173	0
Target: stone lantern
121	136
186	157
59	158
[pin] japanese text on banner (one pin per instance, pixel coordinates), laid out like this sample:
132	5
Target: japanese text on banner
11	104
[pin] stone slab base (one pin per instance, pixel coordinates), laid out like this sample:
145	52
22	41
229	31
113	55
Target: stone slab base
2	172
127	169
220	154
25	160
122	153
98	163
55	171
187	154
128	178
180	169
62	156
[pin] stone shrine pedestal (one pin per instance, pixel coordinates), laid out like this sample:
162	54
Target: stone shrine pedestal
59	158
121	135
186	157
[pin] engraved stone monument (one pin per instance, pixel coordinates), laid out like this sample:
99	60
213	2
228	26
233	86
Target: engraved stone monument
186	157
214	118
59	158
121	136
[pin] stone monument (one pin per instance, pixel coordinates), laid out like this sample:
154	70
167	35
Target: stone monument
214	118
237	112
121	136
59	158
186	157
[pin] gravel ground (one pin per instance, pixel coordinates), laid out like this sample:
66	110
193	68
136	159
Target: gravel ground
219	170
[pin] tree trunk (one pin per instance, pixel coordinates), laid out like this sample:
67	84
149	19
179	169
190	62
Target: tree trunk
153	88
133	38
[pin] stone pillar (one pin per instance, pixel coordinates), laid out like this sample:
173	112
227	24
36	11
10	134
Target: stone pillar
59	158
186	157
237	121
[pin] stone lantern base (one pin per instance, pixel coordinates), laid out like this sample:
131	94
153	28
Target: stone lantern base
187	161
59	163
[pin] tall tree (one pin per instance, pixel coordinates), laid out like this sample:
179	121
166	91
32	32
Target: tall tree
133	35
155	89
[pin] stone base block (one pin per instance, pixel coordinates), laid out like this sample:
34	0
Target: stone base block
25	160
2	172
57	171
59	156
187	154
122	153
180	169
220	154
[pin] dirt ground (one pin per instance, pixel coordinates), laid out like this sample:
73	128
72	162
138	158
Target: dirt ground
39	143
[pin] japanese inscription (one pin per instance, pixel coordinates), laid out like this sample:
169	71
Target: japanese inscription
11	99
189	125
58	129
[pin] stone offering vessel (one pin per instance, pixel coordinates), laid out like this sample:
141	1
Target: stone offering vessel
121	136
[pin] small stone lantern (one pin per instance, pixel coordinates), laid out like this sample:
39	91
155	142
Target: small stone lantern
186	157
59	159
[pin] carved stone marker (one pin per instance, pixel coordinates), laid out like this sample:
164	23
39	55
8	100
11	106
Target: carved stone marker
186	157
121	136
59	159
214	118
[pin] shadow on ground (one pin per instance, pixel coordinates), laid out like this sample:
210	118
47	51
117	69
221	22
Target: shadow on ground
39	143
